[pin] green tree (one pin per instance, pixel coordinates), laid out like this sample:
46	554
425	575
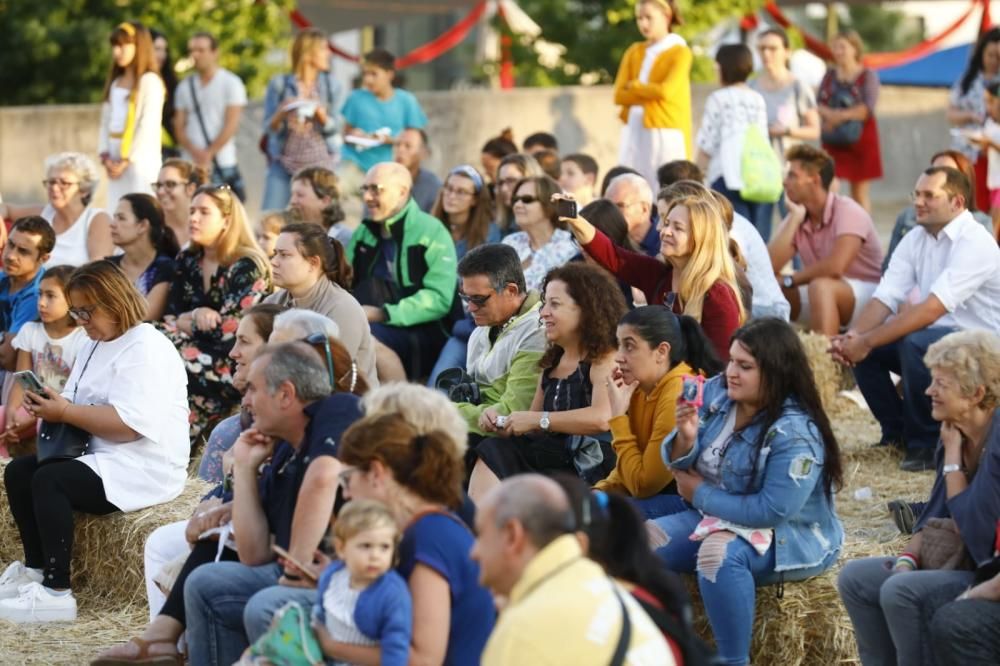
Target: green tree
595	34
881	29
56	51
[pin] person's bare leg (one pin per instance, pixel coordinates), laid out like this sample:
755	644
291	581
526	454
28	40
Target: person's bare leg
387	365
162	634
861	192
831	303
481	481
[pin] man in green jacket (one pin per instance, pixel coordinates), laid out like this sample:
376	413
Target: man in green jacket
404	275
508	342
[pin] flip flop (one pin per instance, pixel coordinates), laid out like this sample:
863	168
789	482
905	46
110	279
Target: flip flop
143	657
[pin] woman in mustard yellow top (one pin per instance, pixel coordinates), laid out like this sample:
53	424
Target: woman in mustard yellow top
656	348
653	87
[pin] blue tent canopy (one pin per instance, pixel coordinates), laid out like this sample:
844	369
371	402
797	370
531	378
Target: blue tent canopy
938	70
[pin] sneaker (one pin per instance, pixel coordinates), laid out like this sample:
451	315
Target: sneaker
36	604
918	460
15	577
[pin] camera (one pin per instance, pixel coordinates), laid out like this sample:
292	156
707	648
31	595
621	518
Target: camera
465	392
566	208
459	386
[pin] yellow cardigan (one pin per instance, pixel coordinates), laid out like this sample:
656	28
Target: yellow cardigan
640	471
666	99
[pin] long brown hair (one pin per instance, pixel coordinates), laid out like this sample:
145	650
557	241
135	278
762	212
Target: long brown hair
478	226
312	241
132	32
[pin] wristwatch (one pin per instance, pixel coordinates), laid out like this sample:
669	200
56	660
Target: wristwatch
544	422
948	469
788	282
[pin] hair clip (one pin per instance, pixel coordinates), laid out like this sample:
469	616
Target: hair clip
354	376
127	28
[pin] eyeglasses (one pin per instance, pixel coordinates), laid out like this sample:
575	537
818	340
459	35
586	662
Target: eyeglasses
917	197
168	184
526	199
82	315
320	338
475	299
457	191
374	189
59	182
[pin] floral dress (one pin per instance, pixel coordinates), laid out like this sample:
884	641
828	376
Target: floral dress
233	289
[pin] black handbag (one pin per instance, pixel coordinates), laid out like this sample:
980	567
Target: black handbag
62	441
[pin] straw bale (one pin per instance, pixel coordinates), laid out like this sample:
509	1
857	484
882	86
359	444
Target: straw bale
70	644
108	550
829	375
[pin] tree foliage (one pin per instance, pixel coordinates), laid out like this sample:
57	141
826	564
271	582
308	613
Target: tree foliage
56	51
595	34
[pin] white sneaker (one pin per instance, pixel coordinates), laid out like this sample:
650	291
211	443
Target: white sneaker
37	604
14	577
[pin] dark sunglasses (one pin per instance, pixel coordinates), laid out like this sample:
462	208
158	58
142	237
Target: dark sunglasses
526	199
476	299
320	338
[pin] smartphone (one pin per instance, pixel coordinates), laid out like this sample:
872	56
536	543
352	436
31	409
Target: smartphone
285	555
692	390
566	208
29	381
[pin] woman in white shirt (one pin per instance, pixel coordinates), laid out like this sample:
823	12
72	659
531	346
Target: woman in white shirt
82	230
137	456
129	141
729	112
542	242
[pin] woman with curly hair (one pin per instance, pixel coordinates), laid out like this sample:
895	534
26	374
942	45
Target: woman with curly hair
580	311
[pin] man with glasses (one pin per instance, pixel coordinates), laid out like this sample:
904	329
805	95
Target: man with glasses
944	276
207	113
633	196
410	150
508	341
28	247
404	275
836	240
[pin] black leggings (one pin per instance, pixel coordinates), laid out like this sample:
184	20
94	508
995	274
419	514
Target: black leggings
203	552
42	499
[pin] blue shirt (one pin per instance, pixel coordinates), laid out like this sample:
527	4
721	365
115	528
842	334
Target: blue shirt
493	235
650	245
282	477
365	111
19	308
442	542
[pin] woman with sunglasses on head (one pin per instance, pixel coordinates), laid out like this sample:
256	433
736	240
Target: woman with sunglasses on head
222	273
542	242
464	205
174	188
136	457
311	272
82	233
129	141
149	247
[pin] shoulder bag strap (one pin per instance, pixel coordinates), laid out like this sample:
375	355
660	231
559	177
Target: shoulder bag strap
201	123
80	378
625	638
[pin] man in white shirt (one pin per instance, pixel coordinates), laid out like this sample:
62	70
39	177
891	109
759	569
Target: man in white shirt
208	105
944	276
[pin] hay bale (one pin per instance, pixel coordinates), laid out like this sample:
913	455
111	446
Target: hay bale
829	375
108	550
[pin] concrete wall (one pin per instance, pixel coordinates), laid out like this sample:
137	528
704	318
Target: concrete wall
911	122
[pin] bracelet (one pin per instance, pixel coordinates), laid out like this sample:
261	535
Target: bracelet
907	560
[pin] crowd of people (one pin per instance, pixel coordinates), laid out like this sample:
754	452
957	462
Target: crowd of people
494	417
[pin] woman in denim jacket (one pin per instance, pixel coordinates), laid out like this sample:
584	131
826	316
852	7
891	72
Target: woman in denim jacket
758	463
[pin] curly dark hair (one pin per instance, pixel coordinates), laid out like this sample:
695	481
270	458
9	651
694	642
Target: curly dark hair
601	306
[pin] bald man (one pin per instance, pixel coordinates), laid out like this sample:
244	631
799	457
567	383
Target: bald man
634	198
404	275
561	607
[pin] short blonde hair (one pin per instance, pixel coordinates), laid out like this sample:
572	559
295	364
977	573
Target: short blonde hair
82	167
426	410
973	357
360	515
107	287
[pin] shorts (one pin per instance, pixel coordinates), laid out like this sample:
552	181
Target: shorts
863	292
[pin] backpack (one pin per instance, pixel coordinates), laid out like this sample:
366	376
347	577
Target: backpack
760	168
839	95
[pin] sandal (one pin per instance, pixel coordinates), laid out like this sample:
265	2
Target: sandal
143	657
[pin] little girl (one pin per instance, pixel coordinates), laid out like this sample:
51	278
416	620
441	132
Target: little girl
361	600
48	347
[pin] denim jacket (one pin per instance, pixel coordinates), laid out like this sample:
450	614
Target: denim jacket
786	491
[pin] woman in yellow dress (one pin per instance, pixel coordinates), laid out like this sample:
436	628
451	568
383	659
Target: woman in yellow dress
653	87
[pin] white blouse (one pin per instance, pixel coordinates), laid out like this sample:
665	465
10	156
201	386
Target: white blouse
142	376
71	245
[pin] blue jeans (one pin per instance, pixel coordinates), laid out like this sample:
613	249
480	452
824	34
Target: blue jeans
453	355
892	612
261	607
659	505
215	596
728	587
277	187
759	214
907	419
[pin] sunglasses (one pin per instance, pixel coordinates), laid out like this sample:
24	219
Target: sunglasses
320	338
526	199
475	299
82	315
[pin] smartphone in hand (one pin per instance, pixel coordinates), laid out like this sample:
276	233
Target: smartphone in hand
307	571
29	381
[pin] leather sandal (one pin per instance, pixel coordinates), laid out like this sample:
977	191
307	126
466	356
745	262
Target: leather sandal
143	656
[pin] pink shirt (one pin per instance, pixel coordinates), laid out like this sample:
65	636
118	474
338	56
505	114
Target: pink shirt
842	215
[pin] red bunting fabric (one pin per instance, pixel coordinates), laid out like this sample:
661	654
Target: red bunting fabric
444	42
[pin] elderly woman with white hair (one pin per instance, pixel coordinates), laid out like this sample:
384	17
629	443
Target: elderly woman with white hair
82	231
891	599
